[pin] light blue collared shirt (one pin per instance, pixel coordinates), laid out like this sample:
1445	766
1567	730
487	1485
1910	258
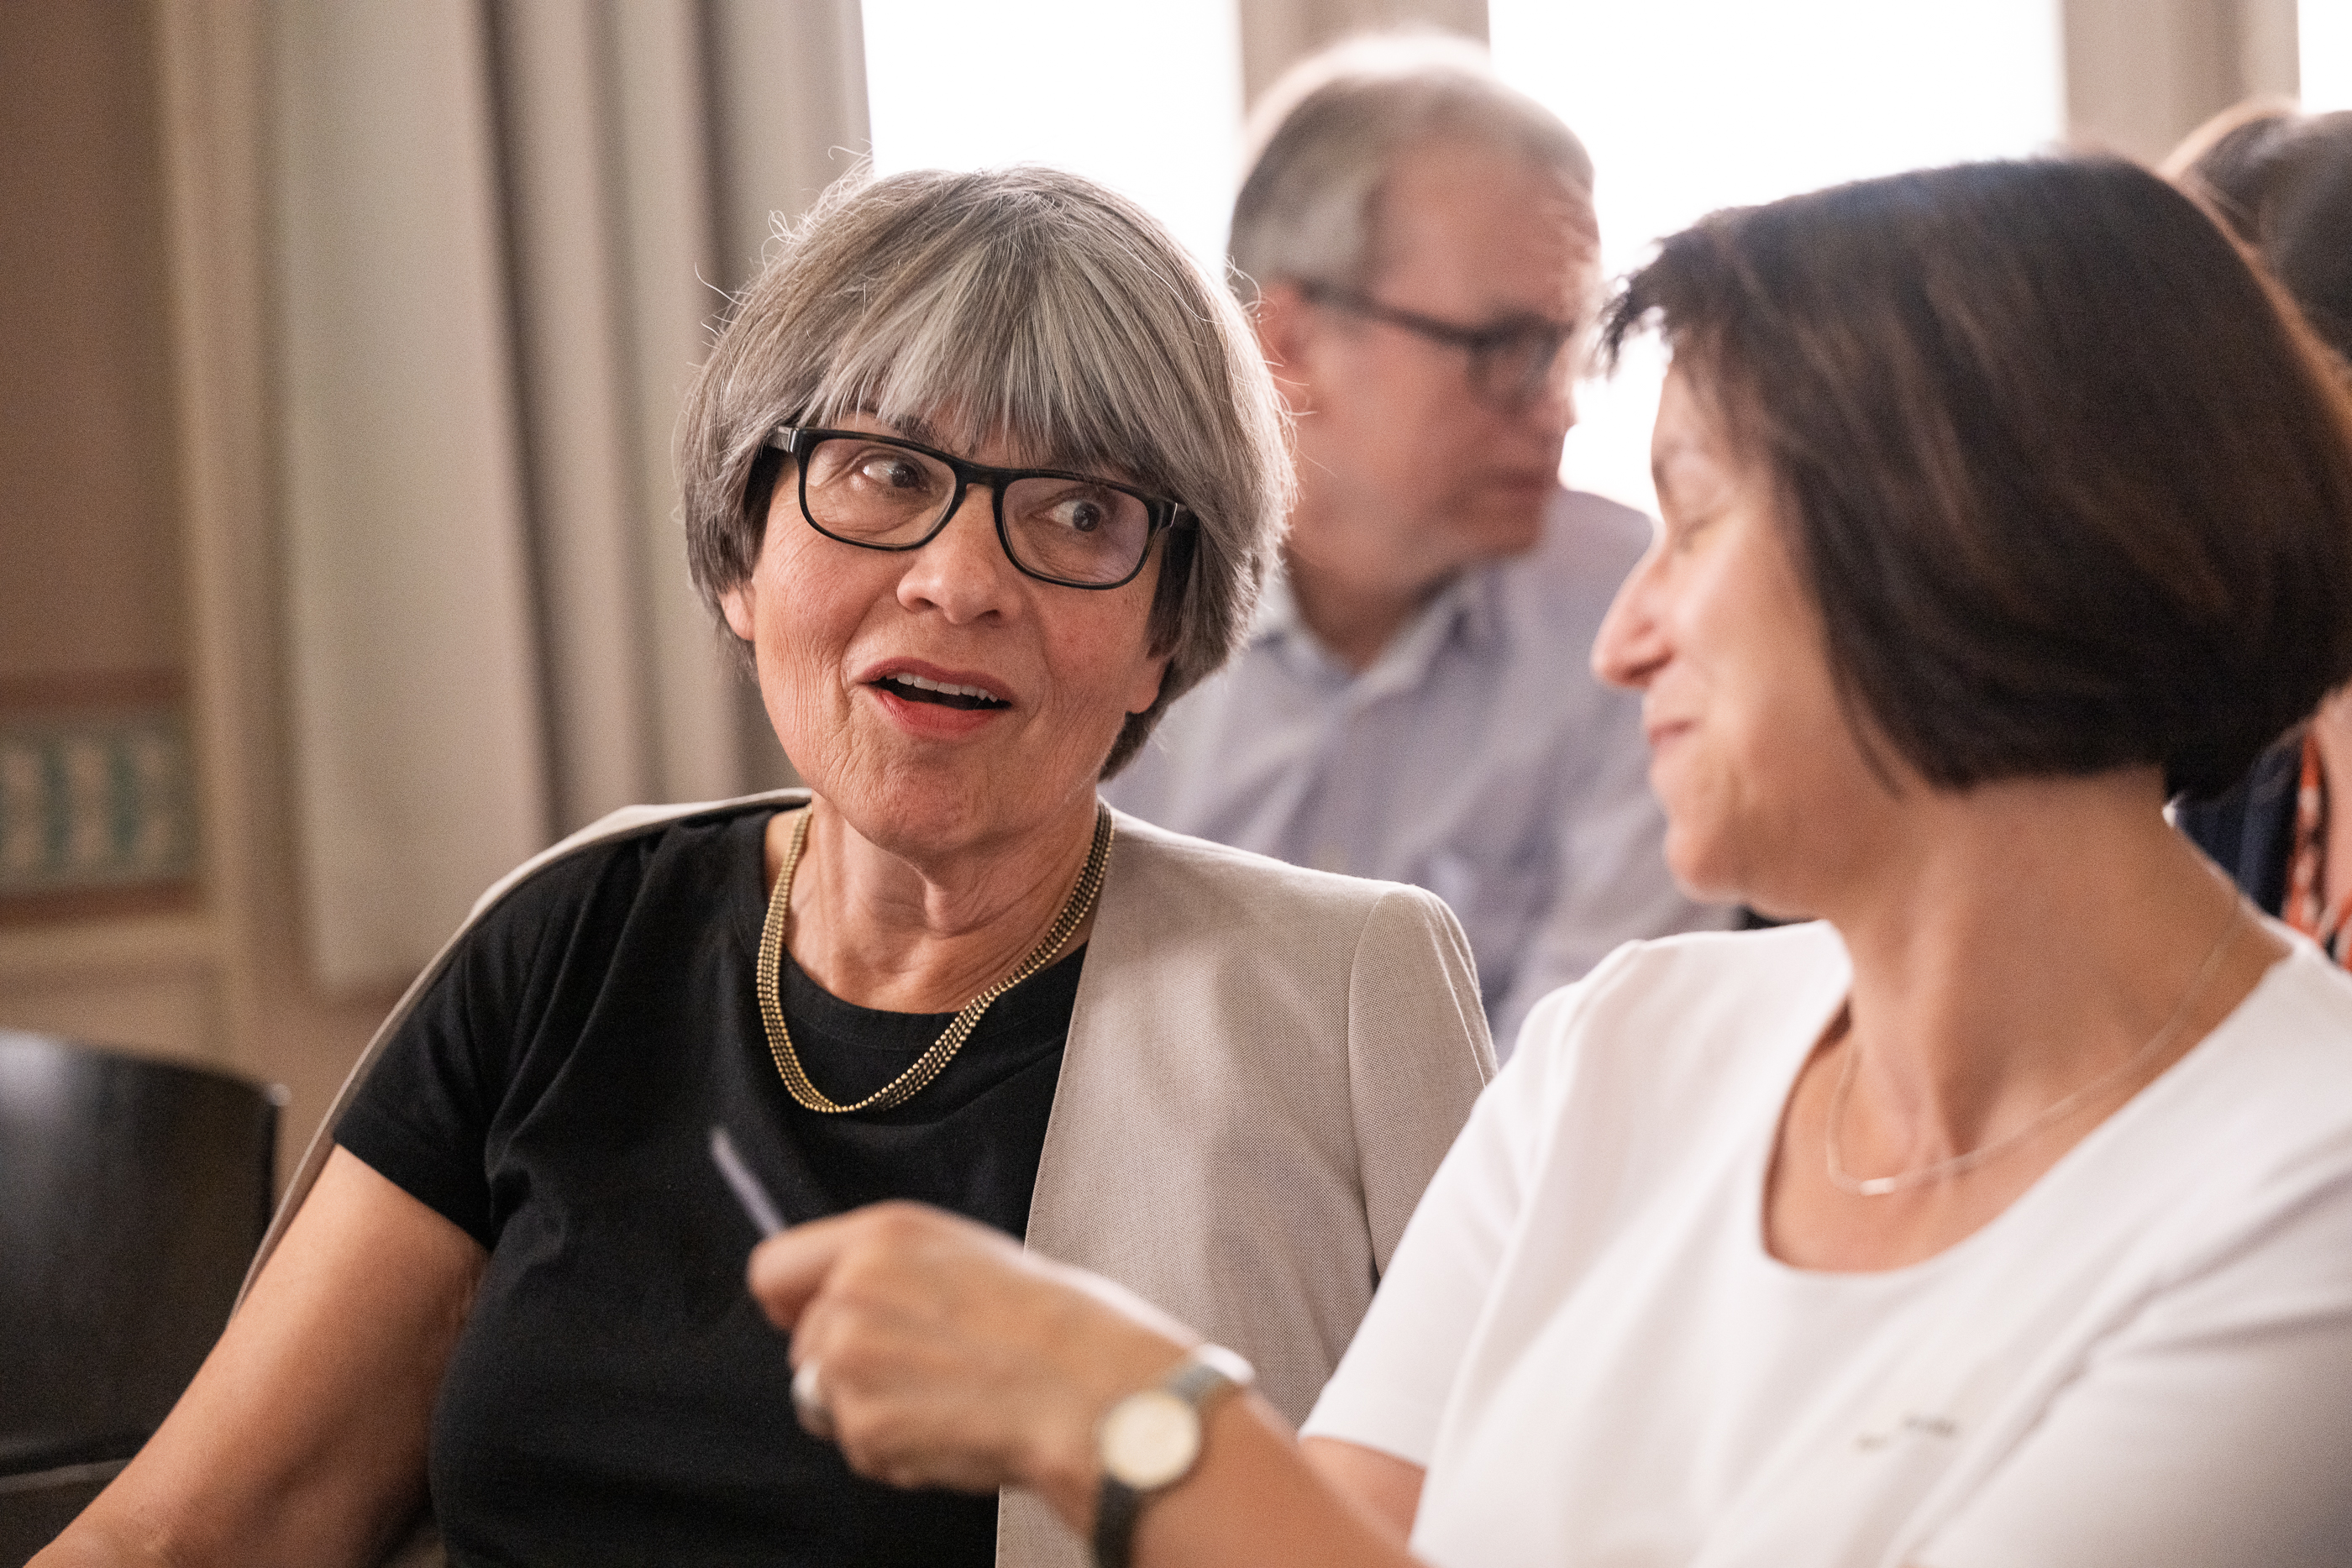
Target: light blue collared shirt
1477	756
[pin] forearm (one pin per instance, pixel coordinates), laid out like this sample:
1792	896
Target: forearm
1256	1495
199	1495
143	1527
91	1543
1255	1499
946	1356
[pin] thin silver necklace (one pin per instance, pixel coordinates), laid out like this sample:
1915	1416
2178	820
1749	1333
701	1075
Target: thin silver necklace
1834	1158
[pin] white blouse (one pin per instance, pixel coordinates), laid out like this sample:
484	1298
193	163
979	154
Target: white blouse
2146	1361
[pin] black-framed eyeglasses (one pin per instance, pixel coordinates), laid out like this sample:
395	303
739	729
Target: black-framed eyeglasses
879	492
1510	360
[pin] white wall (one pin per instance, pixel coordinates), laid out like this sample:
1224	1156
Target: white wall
2324	29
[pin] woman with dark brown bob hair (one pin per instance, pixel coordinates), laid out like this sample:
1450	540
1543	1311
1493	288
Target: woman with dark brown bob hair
1999	1215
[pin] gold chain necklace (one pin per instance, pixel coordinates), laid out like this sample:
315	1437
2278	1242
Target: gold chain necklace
1834	1157
768	971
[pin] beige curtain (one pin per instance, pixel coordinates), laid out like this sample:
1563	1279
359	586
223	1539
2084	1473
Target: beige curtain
501	235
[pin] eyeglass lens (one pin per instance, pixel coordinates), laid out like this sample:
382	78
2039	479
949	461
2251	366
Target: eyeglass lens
1511	371
872	493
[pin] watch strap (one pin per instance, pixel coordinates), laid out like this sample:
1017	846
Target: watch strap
1206	1374
1119	1508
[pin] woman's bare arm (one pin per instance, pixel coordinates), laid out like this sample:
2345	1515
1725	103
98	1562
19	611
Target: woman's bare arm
947	1356
1383	1485
1257	1500
302	1440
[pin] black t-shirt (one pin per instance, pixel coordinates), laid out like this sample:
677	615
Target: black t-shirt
617	1396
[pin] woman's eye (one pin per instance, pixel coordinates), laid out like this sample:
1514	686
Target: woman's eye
1080	517
889	469
1681	535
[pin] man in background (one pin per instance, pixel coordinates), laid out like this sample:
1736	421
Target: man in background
1418	247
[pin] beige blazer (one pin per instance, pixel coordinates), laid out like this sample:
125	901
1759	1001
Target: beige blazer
1265	1066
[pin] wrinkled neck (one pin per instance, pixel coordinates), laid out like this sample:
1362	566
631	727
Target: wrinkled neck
886	929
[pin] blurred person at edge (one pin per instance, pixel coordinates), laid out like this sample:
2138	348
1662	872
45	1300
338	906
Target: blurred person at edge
2001	1217
2282	183
1416	244
981	470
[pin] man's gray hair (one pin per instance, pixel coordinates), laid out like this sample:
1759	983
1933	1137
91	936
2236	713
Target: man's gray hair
1021	303
1330	131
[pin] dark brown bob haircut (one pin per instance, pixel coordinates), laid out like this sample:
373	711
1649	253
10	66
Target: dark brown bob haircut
2071	490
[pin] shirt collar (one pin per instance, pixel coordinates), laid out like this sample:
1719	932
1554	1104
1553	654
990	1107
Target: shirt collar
1468	608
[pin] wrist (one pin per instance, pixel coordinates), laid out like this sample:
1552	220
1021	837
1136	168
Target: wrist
1102	1344
1065	1462
1152	1440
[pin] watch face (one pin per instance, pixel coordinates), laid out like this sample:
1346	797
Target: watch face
1150	1439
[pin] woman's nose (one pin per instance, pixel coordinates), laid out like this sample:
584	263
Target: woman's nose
1632	642
962	572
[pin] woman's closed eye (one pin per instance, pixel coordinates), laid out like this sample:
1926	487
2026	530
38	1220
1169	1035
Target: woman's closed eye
1685	527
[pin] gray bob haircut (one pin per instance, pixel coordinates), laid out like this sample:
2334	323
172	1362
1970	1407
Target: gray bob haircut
1024	303
1329	131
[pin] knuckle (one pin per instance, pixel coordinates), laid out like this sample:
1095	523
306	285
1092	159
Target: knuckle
850	1359
898	1223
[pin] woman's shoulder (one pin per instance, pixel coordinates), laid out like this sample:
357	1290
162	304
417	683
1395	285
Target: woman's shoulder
2274	1080
2302	1005
681	871
1208	878
581	860
1337	959
1697	974
1689	1019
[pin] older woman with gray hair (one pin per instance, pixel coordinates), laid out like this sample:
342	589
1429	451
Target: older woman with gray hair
982	472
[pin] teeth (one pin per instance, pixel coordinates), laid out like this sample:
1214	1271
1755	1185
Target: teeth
948	687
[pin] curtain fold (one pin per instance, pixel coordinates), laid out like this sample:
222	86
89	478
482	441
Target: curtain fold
419	760
502	233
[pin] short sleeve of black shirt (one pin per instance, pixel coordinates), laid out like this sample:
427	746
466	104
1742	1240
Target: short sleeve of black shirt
617	1396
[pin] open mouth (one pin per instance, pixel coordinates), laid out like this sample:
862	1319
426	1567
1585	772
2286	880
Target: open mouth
944	694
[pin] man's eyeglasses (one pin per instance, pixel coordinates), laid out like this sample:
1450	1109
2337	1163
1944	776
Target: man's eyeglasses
878	491
1510	362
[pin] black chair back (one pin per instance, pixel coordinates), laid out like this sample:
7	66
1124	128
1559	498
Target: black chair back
132	1193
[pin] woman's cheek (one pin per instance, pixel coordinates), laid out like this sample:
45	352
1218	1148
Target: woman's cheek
1695	795
802	689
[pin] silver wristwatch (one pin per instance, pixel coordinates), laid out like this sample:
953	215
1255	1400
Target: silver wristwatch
1151	1439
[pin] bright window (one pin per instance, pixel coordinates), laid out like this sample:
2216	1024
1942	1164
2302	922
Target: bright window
1144	98
1691	105
2324	38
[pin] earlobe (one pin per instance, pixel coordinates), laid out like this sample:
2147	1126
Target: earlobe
1146	690
738	604
1284	326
